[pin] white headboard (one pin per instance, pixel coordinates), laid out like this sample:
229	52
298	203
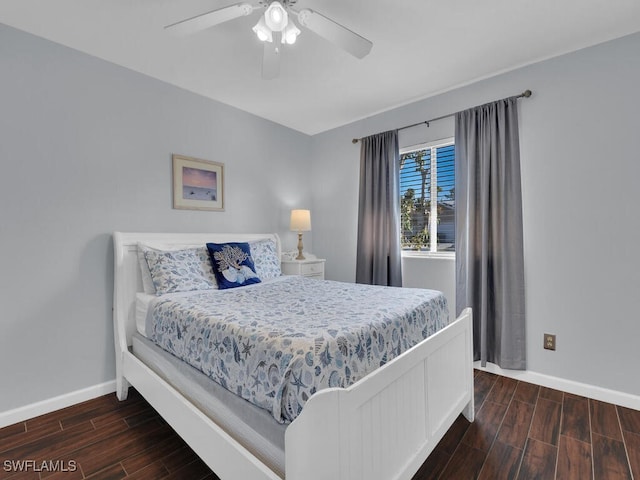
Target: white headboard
128	278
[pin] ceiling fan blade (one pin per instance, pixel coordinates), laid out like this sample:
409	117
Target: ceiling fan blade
353	43
271	60
206	20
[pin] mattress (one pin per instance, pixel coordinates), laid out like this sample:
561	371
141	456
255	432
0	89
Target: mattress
143	301
276	343
253	427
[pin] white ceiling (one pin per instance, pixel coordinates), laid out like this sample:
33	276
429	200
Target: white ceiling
420	48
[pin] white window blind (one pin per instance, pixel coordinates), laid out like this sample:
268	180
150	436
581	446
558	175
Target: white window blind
427	197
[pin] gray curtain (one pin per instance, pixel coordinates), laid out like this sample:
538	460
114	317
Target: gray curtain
489	251
378	260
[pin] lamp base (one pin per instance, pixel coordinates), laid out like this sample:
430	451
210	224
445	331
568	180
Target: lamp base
300	255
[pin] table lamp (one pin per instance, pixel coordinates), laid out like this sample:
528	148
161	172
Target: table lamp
300	222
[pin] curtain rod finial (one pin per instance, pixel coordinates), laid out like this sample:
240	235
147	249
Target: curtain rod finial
526	93
355	140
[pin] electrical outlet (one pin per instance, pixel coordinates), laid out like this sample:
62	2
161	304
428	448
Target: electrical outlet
549	341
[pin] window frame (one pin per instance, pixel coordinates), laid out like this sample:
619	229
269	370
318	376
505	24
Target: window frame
433	193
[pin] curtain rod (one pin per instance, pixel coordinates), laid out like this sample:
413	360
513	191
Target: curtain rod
525	94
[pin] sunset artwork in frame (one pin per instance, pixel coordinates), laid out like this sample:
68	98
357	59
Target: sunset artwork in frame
197	184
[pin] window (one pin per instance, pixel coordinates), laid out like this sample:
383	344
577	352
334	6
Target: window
427	197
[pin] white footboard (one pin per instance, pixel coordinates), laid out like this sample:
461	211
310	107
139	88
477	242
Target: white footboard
384	426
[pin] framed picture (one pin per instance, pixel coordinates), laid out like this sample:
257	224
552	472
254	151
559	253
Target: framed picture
197	184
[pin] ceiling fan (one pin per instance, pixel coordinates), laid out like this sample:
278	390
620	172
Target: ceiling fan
276	28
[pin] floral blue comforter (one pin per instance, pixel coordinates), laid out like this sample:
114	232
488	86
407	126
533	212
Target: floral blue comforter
276	343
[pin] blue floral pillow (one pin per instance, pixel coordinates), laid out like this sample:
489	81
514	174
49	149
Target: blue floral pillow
179	270
232	264
265	257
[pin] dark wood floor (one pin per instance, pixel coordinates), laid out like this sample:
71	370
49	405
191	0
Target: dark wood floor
521	431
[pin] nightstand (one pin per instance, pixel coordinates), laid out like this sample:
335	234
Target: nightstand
310	267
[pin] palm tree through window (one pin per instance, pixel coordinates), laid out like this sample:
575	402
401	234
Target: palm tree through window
427	197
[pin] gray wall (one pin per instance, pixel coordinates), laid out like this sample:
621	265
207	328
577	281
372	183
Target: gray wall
85	149
579	136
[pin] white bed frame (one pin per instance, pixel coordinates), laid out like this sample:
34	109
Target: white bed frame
383	427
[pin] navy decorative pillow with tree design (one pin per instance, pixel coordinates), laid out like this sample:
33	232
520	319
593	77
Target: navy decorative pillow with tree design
232	264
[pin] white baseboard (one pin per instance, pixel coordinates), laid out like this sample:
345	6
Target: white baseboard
56	403
577	388
597	393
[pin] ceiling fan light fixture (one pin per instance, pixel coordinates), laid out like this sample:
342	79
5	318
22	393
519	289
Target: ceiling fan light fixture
276	16
275	22
290	34
262	31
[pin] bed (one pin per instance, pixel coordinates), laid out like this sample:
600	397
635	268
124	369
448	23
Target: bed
383	426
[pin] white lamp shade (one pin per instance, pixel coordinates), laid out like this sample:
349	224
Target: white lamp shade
290	34
276	17
262	31
300	220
